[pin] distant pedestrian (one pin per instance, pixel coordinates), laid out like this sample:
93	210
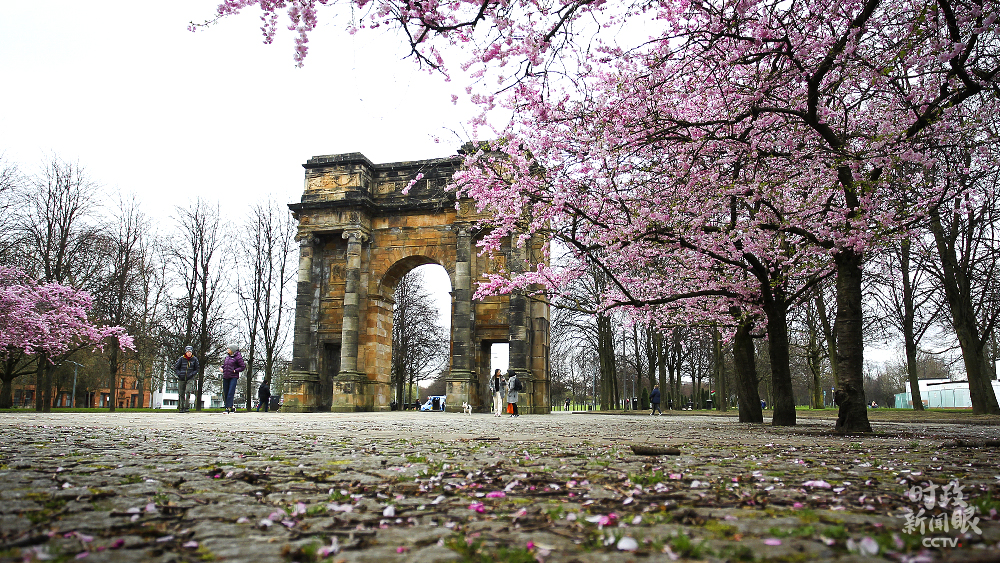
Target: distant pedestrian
654	398
231	368
498	387
185	369
263	395
513	386
567	403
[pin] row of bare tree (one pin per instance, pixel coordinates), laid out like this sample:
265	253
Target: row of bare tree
200	280
932	294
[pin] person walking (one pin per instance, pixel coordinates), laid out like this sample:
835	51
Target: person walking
185	369
513	386
263	396
654	398
231	368
498	387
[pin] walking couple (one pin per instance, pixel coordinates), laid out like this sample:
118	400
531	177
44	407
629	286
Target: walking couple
505	391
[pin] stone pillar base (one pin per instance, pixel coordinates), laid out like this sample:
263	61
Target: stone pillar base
534	398
350	392
461	386
301	392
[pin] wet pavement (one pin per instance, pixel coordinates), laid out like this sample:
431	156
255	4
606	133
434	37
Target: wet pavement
427	487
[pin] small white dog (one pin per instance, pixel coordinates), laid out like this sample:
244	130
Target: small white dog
466	408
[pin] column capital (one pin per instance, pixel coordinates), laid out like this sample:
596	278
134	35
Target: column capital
307	239
355	235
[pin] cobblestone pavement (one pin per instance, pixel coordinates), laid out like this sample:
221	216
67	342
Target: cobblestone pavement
429	487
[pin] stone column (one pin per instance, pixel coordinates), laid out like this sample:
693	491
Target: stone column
461	380
518	329
352	279
349	385
302	386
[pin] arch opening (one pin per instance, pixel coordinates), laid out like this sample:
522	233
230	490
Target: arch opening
421	328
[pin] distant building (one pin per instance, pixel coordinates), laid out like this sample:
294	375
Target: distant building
941	394
127	395
166	396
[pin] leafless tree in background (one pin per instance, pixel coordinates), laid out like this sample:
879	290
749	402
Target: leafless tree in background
420	345
119	299
13	361
199	264
148	325
266	254
968	247
906	296
11	181
58	226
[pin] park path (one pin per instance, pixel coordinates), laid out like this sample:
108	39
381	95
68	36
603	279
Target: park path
426	487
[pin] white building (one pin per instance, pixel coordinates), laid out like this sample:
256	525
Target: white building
166	396
941	394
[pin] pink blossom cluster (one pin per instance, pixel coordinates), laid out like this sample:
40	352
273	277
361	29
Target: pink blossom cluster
712	155
48	318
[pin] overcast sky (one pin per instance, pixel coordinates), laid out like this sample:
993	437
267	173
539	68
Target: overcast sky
148	107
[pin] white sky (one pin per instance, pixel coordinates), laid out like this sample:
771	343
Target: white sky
146	106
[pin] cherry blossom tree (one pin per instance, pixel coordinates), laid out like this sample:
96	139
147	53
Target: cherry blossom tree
631	120
49	320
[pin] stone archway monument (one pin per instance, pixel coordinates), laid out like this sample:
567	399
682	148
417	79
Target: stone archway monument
358	235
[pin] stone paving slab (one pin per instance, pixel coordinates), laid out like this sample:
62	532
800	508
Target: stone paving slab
428	487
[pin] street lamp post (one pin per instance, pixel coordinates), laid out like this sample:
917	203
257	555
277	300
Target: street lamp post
73	398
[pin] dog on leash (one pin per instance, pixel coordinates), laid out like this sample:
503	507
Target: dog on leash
466	407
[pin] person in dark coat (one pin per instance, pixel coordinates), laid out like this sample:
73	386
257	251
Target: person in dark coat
263	396
185	369
654	398
231	368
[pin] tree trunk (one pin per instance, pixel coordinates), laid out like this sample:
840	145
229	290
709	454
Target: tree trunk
722	392
781	373
40	382
113	368
6	392
661	366
958	291
909	334
850	396
47	381
828	335
746	376
606	355
248	374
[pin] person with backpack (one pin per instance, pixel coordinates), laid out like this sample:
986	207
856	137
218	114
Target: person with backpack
513	386
654	398
185	369
263	396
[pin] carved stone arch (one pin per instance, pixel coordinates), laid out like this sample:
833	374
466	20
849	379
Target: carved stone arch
388	279
359	234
